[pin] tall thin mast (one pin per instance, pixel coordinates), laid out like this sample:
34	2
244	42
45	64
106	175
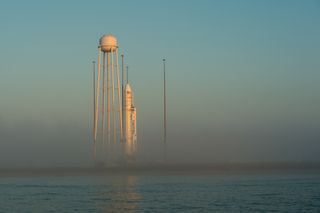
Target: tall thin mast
127	75
119	96
164	104
97	97
122	73
94	94
94	107
122	100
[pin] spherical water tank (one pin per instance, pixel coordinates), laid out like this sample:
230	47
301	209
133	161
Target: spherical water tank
108	43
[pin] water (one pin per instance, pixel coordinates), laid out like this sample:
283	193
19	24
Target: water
161	193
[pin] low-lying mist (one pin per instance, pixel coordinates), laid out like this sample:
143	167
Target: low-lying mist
38	144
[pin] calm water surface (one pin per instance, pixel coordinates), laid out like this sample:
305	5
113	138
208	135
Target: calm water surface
156	193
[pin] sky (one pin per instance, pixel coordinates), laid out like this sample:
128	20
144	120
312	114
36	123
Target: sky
242	78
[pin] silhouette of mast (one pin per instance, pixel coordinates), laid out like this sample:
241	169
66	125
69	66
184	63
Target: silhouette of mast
164	104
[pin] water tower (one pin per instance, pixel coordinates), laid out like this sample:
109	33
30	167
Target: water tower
108	107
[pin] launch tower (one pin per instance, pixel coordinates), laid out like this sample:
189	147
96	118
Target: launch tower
114	119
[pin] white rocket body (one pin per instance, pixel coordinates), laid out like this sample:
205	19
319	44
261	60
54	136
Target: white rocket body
130	122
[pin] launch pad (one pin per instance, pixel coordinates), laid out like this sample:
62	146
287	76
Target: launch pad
115	116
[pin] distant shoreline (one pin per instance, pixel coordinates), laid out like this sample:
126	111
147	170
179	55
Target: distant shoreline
168	169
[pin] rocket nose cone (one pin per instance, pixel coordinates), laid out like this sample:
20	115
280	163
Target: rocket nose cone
128	88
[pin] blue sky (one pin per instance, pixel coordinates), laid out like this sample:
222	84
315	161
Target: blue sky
233	66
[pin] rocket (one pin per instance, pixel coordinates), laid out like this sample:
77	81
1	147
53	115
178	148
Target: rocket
130	122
